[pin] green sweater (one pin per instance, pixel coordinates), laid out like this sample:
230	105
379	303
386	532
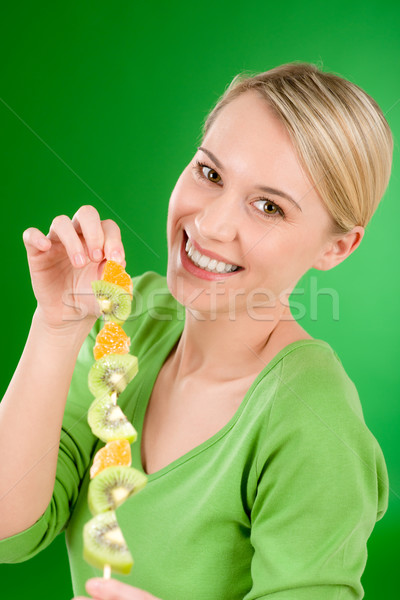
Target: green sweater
278	504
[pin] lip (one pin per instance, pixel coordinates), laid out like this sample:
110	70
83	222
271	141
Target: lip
189	266
208	253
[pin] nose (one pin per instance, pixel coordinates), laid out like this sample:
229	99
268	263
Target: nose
218	218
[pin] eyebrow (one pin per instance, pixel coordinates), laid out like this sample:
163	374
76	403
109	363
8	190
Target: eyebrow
264	188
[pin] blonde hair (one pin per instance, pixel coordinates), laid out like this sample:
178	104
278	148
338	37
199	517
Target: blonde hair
339	132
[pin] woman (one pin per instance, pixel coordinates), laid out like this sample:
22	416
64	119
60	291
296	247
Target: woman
263	479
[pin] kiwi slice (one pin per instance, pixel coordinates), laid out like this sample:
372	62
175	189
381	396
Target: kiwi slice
108	422
115	302
104	544
110	488
112	373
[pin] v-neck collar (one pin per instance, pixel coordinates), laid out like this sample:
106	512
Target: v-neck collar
151	370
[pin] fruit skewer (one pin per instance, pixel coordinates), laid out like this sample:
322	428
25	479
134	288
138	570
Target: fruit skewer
112	478
107	568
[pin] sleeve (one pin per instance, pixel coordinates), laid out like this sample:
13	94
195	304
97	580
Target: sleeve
74	457
322	485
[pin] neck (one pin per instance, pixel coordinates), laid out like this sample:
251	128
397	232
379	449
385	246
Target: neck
225	349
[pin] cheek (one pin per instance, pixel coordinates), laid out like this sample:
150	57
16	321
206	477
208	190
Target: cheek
279	259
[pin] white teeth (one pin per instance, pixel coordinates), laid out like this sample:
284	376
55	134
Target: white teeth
207	263
203	262
196	256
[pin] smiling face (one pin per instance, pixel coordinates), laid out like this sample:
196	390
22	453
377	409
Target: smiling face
221	207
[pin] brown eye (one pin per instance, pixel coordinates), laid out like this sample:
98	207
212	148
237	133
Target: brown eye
212	175
270	207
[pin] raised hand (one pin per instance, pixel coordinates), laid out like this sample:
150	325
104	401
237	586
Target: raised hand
63	263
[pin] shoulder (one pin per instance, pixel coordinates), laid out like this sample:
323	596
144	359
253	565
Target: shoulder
305	389
312	374
316	425
316	420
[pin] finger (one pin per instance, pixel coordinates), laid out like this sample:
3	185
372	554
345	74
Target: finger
63	231
112	589
113	248
87	222
35	241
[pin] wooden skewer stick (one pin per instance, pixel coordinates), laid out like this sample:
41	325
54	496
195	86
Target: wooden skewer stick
114	397
107	572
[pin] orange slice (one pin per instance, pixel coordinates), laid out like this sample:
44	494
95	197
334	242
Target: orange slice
115	453
111	339
115	273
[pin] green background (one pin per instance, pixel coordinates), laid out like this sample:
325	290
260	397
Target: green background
102	103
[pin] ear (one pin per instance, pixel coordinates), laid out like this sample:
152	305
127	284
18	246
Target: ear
339	248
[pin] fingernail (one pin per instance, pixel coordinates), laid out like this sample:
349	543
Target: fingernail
79	260
97	254
115	255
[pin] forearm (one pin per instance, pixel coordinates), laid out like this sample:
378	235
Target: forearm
31	415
